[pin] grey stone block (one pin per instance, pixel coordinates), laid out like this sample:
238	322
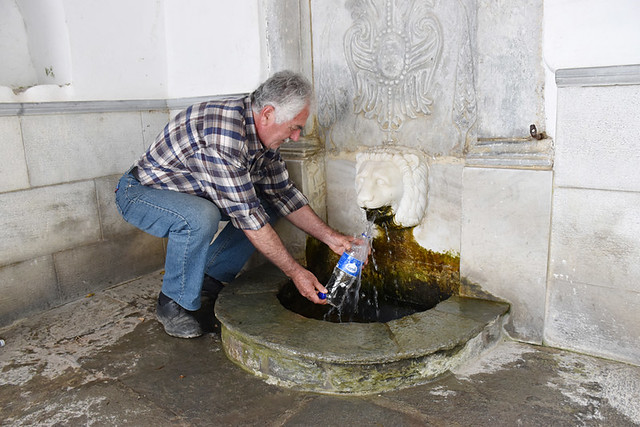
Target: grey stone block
597	320
45	220
153	122
27	287
87	269
111	221
594	238
597	137
13	168
63	148
505	235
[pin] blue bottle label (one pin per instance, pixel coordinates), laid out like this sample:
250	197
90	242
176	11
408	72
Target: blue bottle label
350	265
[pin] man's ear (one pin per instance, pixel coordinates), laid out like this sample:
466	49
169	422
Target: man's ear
268	114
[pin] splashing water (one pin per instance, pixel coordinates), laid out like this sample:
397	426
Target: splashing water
401	277
350	304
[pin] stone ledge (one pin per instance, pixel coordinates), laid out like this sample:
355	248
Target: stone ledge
287	349
110	106
523	153
599	76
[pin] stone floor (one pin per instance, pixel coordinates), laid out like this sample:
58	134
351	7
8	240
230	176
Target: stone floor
104	360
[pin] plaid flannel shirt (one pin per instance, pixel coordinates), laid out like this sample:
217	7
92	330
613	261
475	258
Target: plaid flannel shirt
212	150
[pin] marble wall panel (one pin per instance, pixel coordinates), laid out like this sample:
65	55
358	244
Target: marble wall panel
597	137
315	187
597	320
70	147
440	231
308	174
594	238
27	287
13	167
400	71
45	220
505	239
287	36
343	212
510	78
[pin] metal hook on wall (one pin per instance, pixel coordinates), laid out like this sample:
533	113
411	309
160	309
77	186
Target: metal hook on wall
533	131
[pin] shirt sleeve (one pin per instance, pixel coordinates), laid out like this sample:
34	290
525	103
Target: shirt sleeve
278	189
223	176
209	150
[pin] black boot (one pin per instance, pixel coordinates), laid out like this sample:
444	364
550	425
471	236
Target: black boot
177	321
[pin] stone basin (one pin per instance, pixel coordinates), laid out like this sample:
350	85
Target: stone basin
290	350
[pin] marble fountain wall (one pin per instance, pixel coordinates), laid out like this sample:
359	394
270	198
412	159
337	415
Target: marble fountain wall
465	89
442	78
375	67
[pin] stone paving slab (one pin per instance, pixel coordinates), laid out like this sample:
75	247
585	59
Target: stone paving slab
328	411
190	378
104	360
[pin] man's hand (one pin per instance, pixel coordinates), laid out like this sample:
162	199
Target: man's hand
339	243
269	244
307	220
308	286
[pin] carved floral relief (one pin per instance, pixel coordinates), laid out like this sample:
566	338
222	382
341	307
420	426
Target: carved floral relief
392	50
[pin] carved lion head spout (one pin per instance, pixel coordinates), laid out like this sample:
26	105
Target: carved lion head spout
393	176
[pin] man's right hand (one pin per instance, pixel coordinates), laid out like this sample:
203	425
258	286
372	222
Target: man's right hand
308	286
269	244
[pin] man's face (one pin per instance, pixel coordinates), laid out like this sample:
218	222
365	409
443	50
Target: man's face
273	134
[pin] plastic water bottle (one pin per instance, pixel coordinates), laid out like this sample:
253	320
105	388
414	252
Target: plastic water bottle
347	271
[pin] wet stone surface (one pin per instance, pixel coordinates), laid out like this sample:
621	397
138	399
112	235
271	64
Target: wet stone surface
104	360
291	350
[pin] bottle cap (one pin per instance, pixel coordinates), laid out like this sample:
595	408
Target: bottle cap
322	295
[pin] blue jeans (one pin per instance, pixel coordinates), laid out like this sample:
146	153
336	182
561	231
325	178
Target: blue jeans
190	223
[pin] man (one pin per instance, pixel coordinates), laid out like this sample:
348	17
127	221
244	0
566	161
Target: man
219	160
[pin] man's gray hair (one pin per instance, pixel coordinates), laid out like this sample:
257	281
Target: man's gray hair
287	92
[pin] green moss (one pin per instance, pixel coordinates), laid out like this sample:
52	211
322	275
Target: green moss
399	268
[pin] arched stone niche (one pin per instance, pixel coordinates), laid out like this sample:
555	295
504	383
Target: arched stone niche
38	51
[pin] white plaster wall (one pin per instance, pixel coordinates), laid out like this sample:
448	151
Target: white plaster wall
587	33
48	40
117	50
14	48
212	47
